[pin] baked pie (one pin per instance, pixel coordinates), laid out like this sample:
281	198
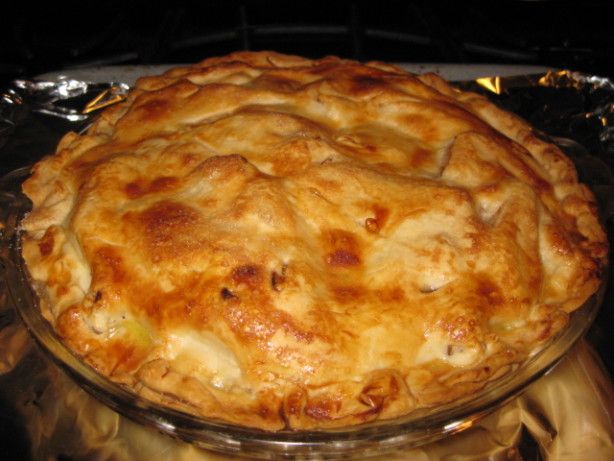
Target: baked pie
280	242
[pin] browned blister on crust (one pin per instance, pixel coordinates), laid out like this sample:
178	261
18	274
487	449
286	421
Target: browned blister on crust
286	243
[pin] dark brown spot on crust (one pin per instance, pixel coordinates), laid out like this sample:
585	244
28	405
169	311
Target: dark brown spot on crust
371	225
424	125
165	219
343	248
45	246
277	281
322	409
170	229
154	108
127	356
265	412
388	295
489	291
342	258
109	265
225	293
98	296
139	188
346	294
419	157
560	242
381	215
338	238
133	190
275	82
249	274
163	183
366	83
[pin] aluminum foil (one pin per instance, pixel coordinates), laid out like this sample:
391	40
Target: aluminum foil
34	115
563	103
548	422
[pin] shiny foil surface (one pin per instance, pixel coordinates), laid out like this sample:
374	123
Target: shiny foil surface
566	415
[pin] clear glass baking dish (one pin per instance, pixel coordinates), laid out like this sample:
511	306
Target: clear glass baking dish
374	438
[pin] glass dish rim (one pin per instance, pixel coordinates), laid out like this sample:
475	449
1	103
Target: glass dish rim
377	437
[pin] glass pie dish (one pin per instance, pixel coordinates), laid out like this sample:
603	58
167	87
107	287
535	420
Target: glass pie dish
418	428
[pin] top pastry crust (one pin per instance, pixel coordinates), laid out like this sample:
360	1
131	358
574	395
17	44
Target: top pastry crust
280	242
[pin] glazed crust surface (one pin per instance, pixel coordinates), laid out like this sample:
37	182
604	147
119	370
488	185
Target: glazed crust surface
280	242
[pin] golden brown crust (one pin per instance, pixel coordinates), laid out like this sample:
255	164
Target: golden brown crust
280	242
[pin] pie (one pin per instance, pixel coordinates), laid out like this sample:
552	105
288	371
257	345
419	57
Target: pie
285	243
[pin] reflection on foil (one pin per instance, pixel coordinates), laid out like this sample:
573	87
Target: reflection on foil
492	84
578	80
62	420
107	98
69	99
551	79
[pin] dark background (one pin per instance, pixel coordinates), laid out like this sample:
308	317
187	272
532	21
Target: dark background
577	35
61	35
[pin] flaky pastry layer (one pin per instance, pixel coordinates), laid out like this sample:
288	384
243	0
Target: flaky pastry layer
280	242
